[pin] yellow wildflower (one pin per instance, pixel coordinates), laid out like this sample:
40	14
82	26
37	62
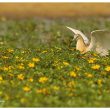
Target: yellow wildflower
7	97
95	54
72	74
5	57
11	75
77	68
31	65
45	51
70	94
35	59
65	63
92	60
16	33
17	57
89	75
43	91
20	76
21	67
103	73
99	81
56	88
23	100
1	43
30	79
59	67
96	67
71	84
23	51
5	68
1	92
43	79
1	78
10	67
26	89
10	50
107	68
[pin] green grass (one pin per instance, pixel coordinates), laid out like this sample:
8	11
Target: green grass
39	66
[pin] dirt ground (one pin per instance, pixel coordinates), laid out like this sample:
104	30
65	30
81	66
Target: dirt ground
54	10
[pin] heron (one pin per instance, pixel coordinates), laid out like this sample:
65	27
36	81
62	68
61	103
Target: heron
99	41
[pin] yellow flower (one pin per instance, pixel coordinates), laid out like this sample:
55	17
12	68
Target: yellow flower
5	57
23	100
99	81
5	68
10	50
17	57
21	67
95	67
71	84
31	65
10	67
35	59
45	51
92	60
7	97
103	73
43	91
59	67
30	79
1	43
16	33
77	68
89	75
43	79
1	78
20	76
73	74
26	89
71	94
23	51
95	54
65	63
56	88
107	68
11	75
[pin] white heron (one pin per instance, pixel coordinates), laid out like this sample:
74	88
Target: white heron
99	41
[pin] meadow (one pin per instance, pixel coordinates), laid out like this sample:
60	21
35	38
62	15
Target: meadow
40	67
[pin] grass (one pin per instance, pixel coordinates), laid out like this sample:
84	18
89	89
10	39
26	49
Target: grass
39	66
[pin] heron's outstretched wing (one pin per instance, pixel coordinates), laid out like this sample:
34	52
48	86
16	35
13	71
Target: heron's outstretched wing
86	41
100	41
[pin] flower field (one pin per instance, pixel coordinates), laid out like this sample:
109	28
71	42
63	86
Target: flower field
40	67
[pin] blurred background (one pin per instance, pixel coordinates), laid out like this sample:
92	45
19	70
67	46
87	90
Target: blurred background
53	10
33	25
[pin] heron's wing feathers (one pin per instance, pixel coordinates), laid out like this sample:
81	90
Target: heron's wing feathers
86	41
100	41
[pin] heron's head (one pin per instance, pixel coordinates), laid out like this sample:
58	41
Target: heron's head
77	37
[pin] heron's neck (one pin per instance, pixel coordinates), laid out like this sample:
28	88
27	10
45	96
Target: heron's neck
81	46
